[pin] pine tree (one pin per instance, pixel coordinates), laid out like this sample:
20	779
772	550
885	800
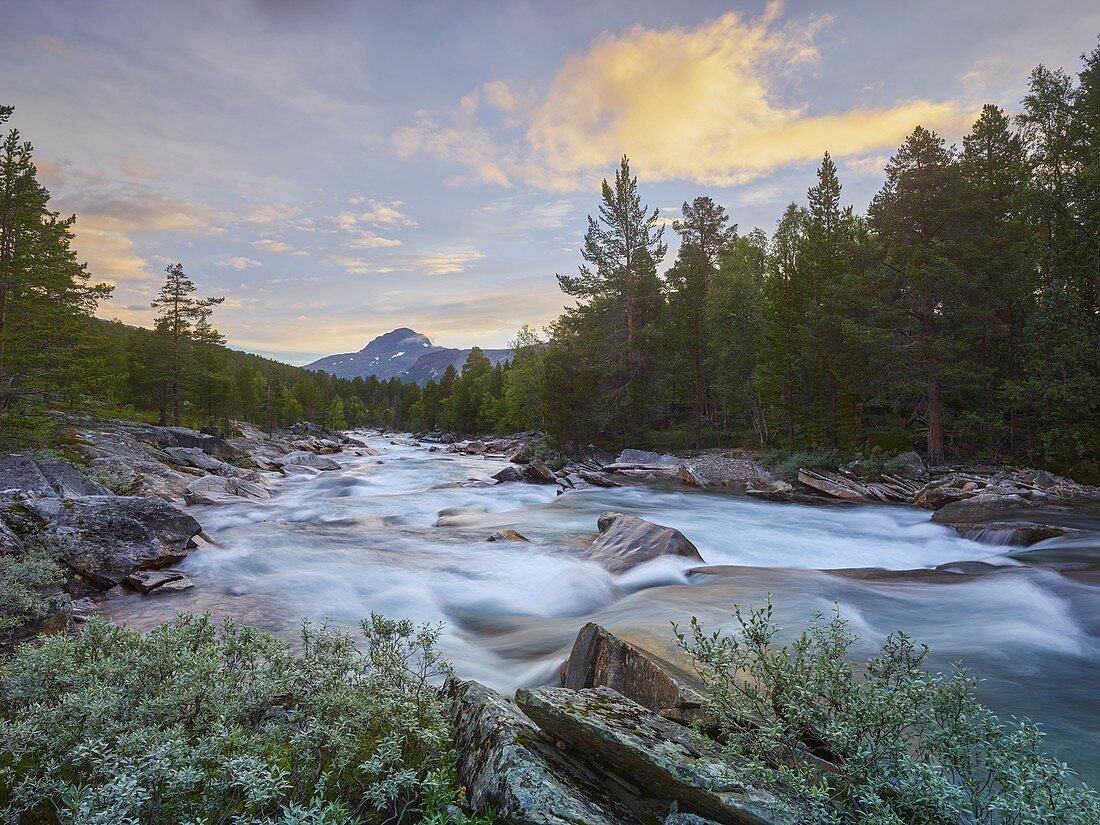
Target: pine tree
916	217
47	349
617	287
704	232
183	325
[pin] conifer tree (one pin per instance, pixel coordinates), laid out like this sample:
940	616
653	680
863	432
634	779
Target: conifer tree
182	325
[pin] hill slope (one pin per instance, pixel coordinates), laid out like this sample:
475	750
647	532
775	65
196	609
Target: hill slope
404	354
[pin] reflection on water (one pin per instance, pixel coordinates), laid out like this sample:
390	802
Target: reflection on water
398	534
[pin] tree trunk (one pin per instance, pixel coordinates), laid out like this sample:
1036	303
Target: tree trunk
935	425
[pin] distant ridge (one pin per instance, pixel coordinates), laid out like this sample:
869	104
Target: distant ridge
404	354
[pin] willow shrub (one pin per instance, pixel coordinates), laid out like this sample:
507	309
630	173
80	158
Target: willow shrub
199	722
884	744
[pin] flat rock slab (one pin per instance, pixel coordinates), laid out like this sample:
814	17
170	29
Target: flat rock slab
302	458
506	765
625	541
108	537
175	586
661	756
148	580
599	658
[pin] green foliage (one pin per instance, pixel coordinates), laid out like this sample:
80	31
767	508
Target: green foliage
786	463
195	722
23	576
888	743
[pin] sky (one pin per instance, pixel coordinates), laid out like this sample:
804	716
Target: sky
336	169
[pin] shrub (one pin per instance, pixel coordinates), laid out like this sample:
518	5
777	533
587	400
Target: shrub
892	744
878	463
787	463
196	722
23	577
119	480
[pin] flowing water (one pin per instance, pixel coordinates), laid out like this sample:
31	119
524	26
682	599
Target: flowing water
399	534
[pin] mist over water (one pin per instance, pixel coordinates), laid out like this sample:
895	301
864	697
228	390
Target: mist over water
399	534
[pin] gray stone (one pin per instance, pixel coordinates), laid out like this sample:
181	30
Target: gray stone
647	459
209	490
194	457
538	473
509	474
302	458
507	535
108	537
660	756
597	479
147	580
9	541
601	659
626	541
174	586
507	766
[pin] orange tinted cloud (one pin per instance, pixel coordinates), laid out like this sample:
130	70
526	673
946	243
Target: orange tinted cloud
703	104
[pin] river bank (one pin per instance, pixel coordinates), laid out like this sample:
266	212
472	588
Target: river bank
405	530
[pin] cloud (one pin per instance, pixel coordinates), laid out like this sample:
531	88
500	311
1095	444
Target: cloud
870	165
272	212
368	240
238	263
271	245
136	166
387	214
709	105
442	262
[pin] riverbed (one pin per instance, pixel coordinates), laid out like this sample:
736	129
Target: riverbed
404	534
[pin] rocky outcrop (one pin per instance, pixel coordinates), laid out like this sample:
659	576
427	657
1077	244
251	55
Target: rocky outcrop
625	541
507	535
656	754
538	473
24	475
508	766
304	458
108	537
601	659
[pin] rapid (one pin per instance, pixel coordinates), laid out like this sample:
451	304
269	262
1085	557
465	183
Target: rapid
404	534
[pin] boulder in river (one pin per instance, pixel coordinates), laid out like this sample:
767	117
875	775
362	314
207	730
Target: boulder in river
509	474
303	458
147	580
538	473
625	541
662	757
108	537
507	535
599	658
507	766
992	507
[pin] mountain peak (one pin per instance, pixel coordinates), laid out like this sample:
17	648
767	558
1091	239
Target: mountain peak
400	337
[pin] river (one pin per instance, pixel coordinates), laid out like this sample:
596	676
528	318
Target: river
399	534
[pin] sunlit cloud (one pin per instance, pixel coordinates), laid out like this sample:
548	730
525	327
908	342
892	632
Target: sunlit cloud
271	245
238	263
368	240
443	262
706	105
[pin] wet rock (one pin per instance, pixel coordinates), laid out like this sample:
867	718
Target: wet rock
509	474
507	535
507	766
538	473
174	586
1009	533
988	507
249	488
660	756
691	478
599	658
647	459
299	470
148	580
108	537
597	479
303	458
625	541
84	609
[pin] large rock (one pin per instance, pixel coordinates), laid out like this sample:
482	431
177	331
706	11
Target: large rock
538	473
194	457
626	541
661	756
303	458
507	766
164	437
108	537
23	475
601	659
144	477
991	507
646	458
209	490
509	474
9	541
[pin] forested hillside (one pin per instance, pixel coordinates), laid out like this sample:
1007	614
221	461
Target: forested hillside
959	314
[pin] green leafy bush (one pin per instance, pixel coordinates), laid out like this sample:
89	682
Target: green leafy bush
23	577
787	463
196	722
889	744
878	463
